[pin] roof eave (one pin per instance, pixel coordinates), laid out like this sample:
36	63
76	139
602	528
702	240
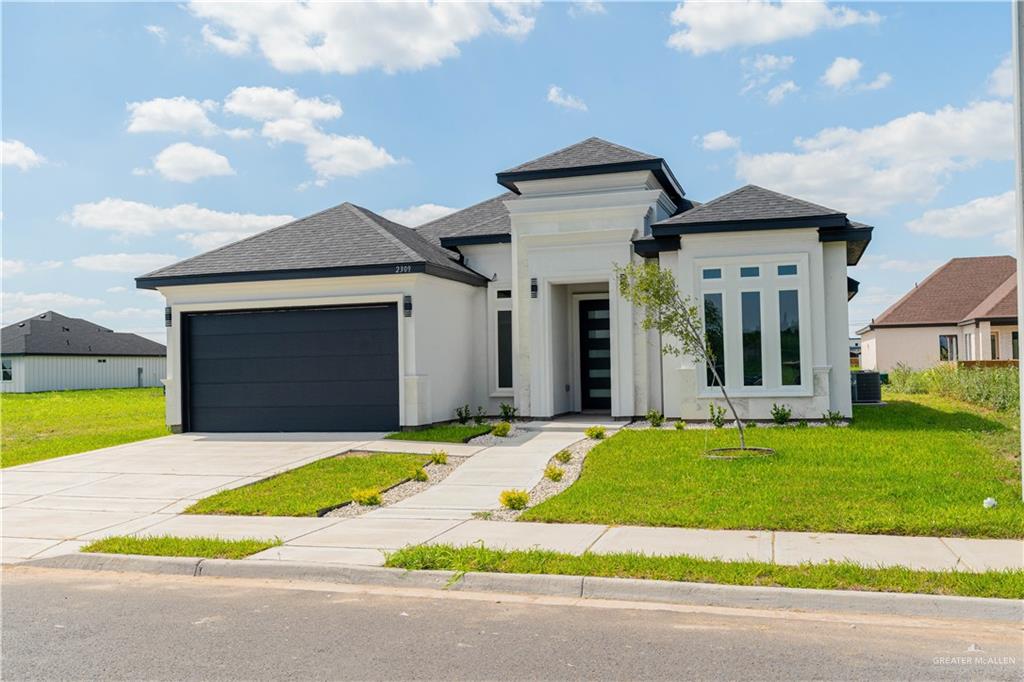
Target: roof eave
455	274
668	228
852	287
651	247
658	167
475	239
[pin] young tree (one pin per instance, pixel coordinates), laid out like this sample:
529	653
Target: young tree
676	317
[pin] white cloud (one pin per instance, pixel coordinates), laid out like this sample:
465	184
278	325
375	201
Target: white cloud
351	37
117	290
845	71
266	104
1000	81
171	115
185	162
718	140
18	154
883	262
417	215
585	7
711	27
761	69
133	218
985	216
159	31
18	305
125	262
779	92
204	241
872	169
13	267
131	313
842	72
560	98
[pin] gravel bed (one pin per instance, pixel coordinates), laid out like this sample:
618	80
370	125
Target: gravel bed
436	472
515	436
548	488
670	425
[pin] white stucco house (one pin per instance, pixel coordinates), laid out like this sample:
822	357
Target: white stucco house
345	320
53	352
965	310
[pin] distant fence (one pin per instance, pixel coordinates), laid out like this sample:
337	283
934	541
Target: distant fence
981	364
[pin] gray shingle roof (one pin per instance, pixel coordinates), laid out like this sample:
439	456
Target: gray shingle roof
51	333
592	151
487	218
345	236
750	203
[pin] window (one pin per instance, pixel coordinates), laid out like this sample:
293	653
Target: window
1015	345
993	341
712	273
504	293
786	270
102	361
504	349
714	329
751	271
7	367
789	337
751	304
968	346
947	347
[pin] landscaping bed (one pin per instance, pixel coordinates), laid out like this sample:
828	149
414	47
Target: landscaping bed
444	433
169	545
38	426
436	473
316	488
921	465
829	576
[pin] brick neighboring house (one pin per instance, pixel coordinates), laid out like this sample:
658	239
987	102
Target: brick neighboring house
965	310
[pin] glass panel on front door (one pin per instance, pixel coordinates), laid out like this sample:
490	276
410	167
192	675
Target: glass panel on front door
595	356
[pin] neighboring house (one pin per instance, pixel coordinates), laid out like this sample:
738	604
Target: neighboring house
345	320
854	351
51	352
965	310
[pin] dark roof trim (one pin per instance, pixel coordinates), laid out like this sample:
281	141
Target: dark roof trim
852	287
856	238
874	326
650	248
1001	320
474	239
658	167
90	355
828	221
314	273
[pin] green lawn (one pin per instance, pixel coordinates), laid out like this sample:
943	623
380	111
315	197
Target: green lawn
39	426
831	576
324	484
169	545
921	465
444	433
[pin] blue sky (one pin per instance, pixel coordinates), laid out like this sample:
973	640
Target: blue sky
135	135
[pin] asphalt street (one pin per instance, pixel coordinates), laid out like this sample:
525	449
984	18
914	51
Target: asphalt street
63	624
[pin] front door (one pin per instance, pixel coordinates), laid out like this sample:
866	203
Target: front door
595	355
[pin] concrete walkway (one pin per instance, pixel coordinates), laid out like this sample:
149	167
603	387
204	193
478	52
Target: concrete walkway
56	506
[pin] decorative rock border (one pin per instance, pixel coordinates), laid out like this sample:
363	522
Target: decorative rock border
407	488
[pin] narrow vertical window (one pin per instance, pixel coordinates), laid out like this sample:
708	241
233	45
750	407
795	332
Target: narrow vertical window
947	348
1016	345
8	369
714	330
994	343
968	346
753	375
504	349
789	337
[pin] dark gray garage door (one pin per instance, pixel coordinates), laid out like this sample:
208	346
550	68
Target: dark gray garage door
301	369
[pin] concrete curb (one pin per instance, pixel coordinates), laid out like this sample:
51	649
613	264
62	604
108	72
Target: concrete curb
577	587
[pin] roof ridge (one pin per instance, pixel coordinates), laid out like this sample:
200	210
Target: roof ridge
798	200
471	206
381	229
994	296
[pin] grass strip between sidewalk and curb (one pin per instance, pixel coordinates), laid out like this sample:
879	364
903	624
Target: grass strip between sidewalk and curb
1007	584
445	433
308	490
169	545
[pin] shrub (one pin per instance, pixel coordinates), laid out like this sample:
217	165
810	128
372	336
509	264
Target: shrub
832	418
595	432
655	419
781	413
508	412
717	415
564	456
996	388
554	473
514	499
420	474
438	457
481	415
750	425
368	497
501	429
463	414
680	425
802	424
903	379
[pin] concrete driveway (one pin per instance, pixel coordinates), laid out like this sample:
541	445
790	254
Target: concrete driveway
55	506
